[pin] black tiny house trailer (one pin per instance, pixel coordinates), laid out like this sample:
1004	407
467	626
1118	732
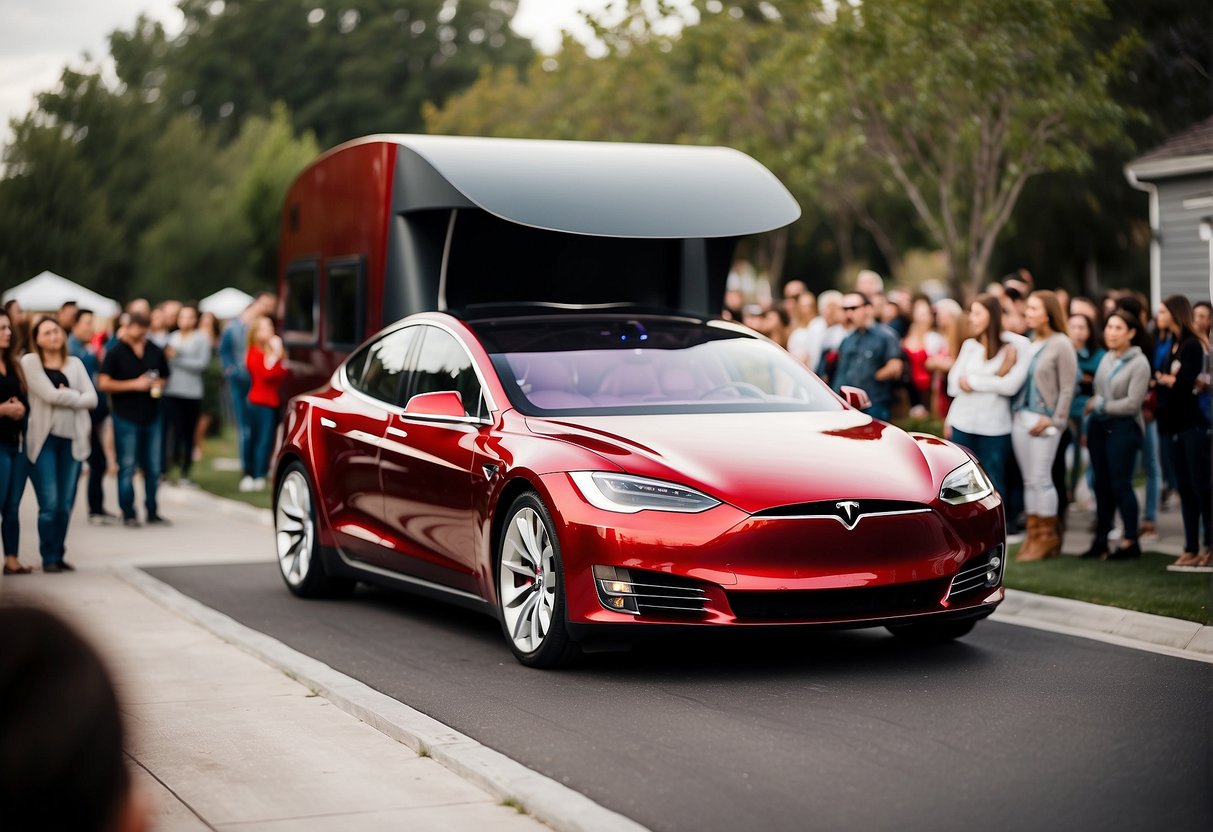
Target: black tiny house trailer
382	227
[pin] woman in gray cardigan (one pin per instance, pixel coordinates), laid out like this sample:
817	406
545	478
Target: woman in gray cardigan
189	353
57	441
1114	434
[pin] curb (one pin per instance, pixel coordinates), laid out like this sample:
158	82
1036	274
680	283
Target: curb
1126	628
548	801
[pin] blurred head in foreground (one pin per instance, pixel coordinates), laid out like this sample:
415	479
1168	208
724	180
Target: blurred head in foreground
61	735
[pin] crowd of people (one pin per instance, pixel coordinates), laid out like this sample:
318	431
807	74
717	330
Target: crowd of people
137	398
1049	392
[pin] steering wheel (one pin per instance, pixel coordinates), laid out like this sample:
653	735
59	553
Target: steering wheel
742	388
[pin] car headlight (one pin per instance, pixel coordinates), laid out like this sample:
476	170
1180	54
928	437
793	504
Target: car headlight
628	495
966	484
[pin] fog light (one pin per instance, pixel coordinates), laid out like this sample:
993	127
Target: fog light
993	571
615	589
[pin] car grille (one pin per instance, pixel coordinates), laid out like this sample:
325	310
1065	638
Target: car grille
837	604
649	593
830	508
975	574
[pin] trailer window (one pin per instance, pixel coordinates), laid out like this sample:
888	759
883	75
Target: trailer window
299	315
343	325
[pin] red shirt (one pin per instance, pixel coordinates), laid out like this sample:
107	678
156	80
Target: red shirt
265	380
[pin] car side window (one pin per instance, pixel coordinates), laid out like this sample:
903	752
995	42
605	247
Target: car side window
383	365
443	364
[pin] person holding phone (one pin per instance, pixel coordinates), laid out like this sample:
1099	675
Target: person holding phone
267	368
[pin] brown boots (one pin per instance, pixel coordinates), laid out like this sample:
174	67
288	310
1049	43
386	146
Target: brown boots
1042	540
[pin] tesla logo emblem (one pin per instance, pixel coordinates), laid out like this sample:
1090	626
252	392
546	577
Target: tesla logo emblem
848	507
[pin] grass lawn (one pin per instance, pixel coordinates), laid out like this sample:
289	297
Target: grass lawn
1144	585
219	471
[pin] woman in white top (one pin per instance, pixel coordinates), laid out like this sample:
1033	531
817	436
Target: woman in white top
60	396
1043	387
981	420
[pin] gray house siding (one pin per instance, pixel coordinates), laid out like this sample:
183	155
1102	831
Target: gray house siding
1185	256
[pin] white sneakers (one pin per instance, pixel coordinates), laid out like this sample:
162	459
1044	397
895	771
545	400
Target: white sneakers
247	483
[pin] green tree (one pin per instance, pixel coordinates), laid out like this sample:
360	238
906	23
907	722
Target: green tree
344	68
1090	230
965	102
226	232
52	214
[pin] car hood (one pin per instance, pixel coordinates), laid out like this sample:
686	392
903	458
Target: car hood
757	461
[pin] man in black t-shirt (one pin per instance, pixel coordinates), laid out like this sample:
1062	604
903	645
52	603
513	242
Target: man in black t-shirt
133	374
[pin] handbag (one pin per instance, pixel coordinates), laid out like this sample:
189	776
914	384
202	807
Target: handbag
1148	405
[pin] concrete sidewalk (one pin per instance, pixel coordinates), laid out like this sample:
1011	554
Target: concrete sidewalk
220	739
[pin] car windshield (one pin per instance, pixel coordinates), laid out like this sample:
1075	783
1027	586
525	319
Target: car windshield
608	366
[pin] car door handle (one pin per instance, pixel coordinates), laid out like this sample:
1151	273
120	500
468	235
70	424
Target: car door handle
397	432
327	423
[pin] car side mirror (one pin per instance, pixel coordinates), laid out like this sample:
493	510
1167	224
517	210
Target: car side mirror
443	403
856	397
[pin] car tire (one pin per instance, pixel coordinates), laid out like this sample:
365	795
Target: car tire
296	541
933	632
530	586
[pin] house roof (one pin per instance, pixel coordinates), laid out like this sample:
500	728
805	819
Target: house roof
1188	152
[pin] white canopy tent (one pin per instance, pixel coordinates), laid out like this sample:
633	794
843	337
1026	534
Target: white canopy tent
48	291
226	303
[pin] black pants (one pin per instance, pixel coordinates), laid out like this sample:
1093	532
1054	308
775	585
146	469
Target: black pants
1114	444
1189	451
97	464
181	419
1059	474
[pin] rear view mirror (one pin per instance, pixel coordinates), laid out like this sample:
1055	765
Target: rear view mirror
443	403
857	397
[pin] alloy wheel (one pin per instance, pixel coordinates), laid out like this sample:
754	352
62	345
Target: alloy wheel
528	580
295	529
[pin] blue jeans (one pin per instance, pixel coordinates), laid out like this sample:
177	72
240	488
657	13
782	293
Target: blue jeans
991	452
14	468
1114	444
881	411
238	388
262	421
137	445
54	475
1150	461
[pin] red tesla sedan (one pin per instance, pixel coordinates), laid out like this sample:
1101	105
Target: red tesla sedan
588	476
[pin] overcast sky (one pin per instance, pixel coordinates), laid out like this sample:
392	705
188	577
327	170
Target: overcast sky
38	38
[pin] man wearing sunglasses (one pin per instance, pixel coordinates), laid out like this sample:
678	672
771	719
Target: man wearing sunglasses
870	357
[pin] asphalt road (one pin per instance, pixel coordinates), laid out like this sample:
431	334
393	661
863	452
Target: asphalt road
1011	728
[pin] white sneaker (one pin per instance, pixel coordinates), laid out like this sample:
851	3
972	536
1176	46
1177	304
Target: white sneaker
258	484
247	483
